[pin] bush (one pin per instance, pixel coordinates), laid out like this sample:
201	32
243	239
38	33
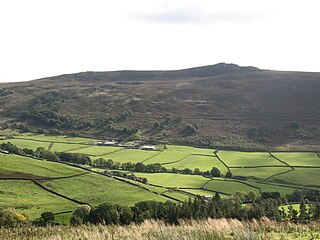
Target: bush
295	125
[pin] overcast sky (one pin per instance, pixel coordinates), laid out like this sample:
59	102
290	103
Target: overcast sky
41	38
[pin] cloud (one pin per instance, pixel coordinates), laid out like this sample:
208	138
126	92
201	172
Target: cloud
196	16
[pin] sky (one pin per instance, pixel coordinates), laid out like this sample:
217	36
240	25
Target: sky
42	38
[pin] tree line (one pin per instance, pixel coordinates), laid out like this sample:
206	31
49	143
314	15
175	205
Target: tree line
198	209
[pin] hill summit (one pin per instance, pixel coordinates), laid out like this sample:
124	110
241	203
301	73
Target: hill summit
221	105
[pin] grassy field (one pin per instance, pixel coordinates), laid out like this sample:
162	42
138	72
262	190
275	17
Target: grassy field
229	187
27	197
97	151
204	163
300	176
10	164
174	180
299	158
53	138
130	155
22	143
235	158
96	189
66	147
258	173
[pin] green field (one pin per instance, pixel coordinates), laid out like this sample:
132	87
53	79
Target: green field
16	164
301	177
130	155
66	147
299	158
52	138
27	197
235	158
258	173
268	174
229	187
204	163
97	151
22	143
96	189
172	180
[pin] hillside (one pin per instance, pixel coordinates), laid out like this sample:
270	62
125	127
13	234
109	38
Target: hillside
222	105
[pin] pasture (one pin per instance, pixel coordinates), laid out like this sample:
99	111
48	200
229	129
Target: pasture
12	164
27	197
263	173
95	189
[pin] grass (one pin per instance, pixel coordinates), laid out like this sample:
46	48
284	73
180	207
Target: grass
53	138
229	187
186	230
174	180
22	143
177	195
300	176
97	150
266	187
96	189
27	197
235	158
299	158
130	155
204	163
258	173
202	192
65	147
12	164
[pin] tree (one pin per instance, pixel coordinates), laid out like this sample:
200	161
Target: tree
229	174
251	196
80	214
197	171
47	217
215	172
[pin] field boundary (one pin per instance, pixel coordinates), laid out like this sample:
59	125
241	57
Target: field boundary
284	162
58	194
101	155
277	174
217	156
79	148
148	158
37	140
42	178
189	155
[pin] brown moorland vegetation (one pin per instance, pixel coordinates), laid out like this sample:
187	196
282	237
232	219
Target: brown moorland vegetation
222	105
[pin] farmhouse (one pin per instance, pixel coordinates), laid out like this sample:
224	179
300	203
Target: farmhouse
108	143
146	147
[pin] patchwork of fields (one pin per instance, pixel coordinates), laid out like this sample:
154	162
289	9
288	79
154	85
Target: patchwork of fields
34	186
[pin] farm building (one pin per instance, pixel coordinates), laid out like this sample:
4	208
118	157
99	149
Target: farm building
108	143
146	147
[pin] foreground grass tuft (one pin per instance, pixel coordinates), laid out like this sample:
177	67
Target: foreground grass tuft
187	229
